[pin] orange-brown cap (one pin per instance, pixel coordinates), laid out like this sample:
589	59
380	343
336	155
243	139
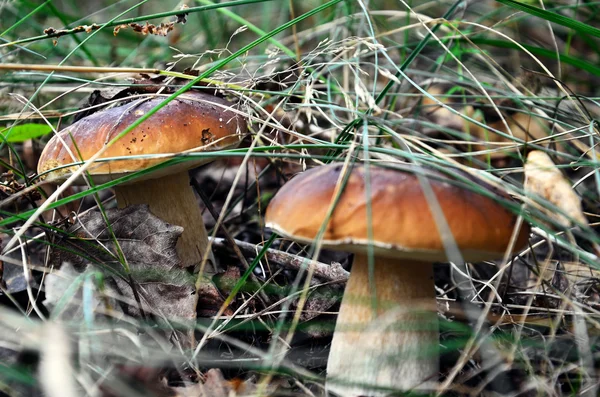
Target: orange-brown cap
402	223
194	122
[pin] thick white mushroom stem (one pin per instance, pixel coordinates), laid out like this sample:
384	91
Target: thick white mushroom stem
386	335
172	199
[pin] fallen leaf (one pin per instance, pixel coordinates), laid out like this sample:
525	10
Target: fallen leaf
13	278
321	300
165	288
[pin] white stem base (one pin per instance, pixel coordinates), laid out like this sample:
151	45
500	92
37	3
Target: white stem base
386	337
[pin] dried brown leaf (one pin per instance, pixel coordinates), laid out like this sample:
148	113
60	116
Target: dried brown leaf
150	29
321	300
81	28
148	245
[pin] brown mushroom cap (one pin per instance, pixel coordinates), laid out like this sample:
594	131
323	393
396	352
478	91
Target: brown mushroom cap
193	121
402	222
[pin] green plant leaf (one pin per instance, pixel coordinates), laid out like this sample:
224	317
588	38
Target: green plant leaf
578	62
553	17
23	132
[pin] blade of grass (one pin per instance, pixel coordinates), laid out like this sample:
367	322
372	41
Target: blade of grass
345	134
578	62
25	18
250	25
553	17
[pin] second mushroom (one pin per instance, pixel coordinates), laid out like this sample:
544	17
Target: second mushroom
386	334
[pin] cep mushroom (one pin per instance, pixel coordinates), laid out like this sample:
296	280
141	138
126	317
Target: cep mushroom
386	334
193	122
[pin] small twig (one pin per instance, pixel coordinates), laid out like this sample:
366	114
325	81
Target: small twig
333	272
75	69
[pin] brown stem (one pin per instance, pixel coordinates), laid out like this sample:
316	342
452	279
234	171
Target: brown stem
386	333
172	199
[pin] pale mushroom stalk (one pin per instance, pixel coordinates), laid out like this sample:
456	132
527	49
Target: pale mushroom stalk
395	346
172	199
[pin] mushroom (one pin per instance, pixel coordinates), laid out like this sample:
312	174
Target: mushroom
193	122
386	334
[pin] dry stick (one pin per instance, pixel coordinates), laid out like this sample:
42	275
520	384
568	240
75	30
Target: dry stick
112	70
228	237
75	69
333	272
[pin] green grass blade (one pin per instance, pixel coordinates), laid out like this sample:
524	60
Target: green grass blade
578	62
25	18
553	17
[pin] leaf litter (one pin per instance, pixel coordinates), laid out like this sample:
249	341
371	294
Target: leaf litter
166	289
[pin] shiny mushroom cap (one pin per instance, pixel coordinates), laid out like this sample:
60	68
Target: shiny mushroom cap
193	122
402	223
